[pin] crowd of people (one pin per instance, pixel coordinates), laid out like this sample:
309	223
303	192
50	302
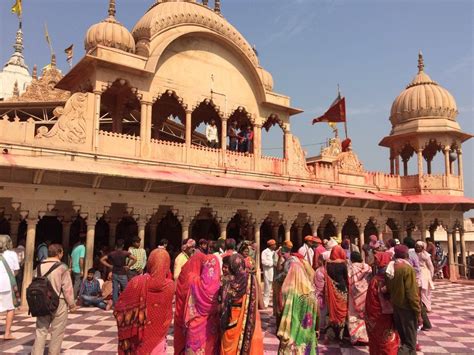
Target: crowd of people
240	139
325	291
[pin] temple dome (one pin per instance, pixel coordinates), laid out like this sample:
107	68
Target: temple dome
168	14
423	98
110	33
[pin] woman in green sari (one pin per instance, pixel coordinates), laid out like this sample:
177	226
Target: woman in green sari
299	322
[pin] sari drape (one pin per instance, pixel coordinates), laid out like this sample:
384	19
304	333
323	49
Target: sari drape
201	311
240	320
299	321
383	338
144	310
336	290
183	284
358	277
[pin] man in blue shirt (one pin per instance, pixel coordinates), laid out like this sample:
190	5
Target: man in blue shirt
77	263
42	251
90	293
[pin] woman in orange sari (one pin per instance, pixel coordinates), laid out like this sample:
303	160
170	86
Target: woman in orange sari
144	310
202	309
383	338
240	321
336	291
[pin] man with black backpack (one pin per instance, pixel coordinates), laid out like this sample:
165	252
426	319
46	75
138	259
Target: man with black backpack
50	296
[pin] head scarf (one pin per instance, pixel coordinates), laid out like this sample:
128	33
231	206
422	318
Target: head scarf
401	251
271	242
382	259
356	257
288	244
308	238
421	244
331	244
5	243
373	241
191	243
338	254
145	307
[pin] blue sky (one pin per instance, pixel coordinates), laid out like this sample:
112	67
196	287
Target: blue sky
369	47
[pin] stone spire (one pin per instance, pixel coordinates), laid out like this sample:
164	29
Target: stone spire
205	2
17	57
421	63
112	9
35	72
217	6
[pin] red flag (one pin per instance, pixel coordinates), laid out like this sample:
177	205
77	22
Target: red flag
335	113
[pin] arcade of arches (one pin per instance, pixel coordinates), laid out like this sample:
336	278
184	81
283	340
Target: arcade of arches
63	221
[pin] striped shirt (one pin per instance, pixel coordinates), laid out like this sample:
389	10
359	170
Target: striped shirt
140	254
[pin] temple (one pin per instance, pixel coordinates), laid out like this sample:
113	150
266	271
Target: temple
115	148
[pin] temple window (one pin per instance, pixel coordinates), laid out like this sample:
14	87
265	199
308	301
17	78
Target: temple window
240	131
273	139
169	118
206	125
120	109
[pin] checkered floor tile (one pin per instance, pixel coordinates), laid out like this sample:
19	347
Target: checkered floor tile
92	331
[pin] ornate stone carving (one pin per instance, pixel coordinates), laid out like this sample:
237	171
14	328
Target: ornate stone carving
349	162
71	124
297	158
43	89
333	149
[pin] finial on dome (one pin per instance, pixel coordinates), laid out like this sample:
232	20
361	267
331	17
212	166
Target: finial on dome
112	9
205	2
421	63
217	6
35	72
53	60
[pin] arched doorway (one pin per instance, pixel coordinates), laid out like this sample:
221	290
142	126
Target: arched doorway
202	116
127	229
351	230
326	228
393	228
102	232
370	229
266	233
170	228
205	226
239	228
49	228
4	225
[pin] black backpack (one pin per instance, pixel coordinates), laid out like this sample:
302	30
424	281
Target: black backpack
41	296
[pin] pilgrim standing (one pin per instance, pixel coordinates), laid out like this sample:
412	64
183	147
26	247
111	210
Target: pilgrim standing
268	257
306	251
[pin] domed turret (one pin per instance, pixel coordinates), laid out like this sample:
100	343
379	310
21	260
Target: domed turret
423	98
110	33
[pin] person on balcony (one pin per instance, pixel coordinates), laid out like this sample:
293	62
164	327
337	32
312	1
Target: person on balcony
233	136
212	135
246	144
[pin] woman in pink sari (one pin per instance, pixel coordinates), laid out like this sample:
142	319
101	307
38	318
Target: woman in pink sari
202	309
358	277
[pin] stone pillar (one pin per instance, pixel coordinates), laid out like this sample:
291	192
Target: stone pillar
89	261
257	145
361	241
286	148
29	258
257	251
224	142
141	231
223	228
188	128
145	127
96	123
66	235
447	167
185	229
397	165
14	231
287	231
152	243
405	167
460	169
463	252
112	230
420	162
392	165
451	260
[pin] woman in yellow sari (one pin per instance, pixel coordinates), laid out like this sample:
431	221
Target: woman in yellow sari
240	320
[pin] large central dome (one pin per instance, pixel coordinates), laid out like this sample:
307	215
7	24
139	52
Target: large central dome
169	14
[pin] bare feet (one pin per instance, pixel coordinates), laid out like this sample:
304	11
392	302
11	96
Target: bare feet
9	337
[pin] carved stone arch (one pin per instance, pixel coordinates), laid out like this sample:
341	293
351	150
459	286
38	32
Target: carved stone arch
272	120
168	103
159	44
242	116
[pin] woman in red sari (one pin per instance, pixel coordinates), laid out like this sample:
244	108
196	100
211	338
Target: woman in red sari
202	309
189	270
383	338
336	291
144	309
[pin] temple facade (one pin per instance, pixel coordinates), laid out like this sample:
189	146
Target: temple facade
114	149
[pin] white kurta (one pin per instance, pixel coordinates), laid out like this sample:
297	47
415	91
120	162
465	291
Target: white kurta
307	253
267	266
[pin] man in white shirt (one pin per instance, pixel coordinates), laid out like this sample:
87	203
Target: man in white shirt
212	135
268	262
307	251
